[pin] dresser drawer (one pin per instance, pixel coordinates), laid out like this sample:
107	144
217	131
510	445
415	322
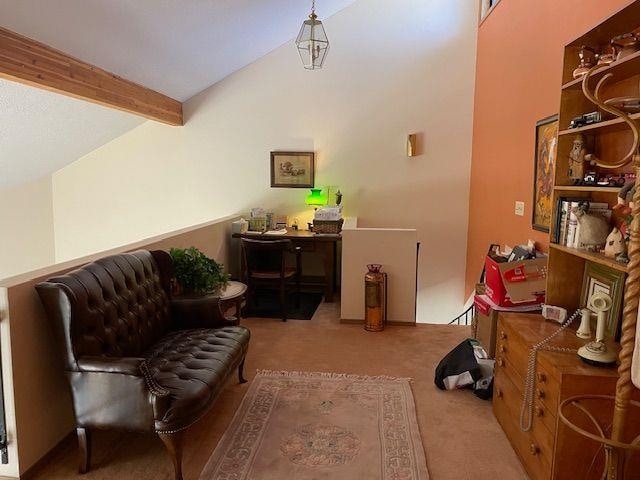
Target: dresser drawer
546	417
505	367
534	448
511	347
541	412
547	390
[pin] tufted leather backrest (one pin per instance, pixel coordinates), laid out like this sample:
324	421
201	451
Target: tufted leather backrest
117	306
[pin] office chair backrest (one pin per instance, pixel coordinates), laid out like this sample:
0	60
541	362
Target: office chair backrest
265	256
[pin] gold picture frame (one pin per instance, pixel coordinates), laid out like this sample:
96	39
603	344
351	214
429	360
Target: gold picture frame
544	166
292	169
600	278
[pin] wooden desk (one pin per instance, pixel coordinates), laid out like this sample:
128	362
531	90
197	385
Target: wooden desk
325	244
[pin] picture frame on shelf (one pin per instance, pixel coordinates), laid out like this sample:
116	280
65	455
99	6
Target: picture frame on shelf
600	278
546	147
292	169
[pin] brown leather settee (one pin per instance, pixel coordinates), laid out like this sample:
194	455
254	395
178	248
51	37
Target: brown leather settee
135	361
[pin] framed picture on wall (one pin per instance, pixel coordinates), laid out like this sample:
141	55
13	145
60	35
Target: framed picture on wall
600	278
292	169
544	166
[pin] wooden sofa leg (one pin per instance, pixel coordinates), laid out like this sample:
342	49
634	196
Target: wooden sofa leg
84	444
241	378
173	443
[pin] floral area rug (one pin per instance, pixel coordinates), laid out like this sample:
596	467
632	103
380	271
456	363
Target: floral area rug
314	426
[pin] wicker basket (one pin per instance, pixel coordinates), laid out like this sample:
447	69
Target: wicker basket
328	226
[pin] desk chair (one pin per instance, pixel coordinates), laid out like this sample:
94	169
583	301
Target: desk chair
265	266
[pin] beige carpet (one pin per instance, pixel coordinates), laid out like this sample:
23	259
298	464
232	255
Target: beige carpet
312	426
461	437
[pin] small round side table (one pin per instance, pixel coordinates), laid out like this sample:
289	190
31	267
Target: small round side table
232	294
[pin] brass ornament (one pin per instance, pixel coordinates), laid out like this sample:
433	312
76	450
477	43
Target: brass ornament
595	97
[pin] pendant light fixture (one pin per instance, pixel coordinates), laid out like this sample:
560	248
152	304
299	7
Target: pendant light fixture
312	41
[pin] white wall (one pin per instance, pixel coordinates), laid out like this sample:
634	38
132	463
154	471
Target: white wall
395	250
26	227
394	68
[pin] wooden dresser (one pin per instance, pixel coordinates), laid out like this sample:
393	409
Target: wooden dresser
549	450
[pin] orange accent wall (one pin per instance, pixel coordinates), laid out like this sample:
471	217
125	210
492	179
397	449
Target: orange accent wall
518	79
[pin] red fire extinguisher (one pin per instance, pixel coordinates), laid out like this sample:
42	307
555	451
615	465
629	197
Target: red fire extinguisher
375	303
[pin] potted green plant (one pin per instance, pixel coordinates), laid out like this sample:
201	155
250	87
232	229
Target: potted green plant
196	273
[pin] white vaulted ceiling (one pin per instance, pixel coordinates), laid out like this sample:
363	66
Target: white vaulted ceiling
177	47
41	132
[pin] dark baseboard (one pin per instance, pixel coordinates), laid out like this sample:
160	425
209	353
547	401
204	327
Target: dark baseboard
348	321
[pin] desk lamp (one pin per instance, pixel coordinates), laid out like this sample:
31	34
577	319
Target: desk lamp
316	198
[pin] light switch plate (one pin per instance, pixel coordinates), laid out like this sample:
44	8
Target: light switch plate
520	209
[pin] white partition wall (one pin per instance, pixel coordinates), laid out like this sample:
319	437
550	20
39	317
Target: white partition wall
38	406
396	250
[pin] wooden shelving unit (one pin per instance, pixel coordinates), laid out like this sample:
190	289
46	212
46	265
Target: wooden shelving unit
606	126
607	139
550	450
624	67
585	188
596	257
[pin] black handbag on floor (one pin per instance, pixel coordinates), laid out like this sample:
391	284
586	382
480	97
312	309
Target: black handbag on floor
461	368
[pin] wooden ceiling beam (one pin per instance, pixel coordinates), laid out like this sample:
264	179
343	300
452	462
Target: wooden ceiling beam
26	61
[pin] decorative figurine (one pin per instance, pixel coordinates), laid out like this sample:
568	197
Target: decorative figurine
622	258
577	159
625	196
594	229
338	197
587	60
608	55
626	45
614	179
616	244
622	211
586	119
590	178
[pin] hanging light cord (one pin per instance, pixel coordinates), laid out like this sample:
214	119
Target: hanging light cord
313	6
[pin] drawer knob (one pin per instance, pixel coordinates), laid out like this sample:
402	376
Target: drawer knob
539	411
540	393
542	378
535	450
503	335
499	393
500	362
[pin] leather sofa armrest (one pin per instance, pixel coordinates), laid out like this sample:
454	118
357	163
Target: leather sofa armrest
116	393
198	312
133	366
122	365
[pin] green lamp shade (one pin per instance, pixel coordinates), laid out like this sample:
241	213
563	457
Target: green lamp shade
316	198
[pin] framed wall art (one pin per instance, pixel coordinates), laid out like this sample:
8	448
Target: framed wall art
600	278
292	169
545	161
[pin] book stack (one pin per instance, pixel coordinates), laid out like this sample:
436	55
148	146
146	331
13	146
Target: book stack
567	231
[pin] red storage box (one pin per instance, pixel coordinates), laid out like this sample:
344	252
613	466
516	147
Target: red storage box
512	284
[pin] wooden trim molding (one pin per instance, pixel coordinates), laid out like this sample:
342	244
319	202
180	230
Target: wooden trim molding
33	63
355	321
486	9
